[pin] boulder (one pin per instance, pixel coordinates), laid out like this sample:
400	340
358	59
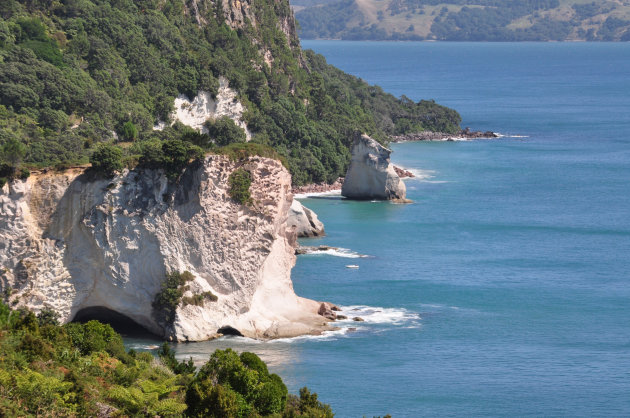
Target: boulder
304	221
326	310
371	174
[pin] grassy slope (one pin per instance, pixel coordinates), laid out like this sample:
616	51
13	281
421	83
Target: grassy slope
398	19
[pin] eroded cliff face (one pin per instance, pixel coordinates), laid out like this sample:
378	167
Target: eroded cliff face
68	242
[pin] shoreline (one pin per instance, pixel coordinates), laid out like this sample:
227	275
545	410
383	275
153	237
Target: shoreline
463	135
301	192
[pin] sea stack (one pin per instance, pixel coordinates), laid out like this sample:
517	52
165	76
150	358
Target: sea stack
304	221
371	174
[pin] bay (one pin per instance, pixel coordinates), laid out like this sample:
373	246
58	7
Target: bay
504	289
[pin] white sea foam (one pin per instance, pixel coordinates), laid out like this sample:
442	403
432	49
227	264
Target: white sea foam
418	173
510	136
376	315
143	347
337	252
424	176
375	320
316	194
325	336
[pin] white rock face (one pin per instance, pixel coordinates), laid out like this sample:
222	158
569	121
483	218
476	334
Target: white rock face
69	243
371	174
203	107
304	221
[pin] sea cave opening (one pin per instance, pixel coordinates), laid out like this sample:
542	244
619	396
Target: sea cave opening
228	330
121	323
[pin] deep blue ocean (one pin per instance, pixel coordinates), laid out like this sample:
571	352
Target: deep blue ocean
504	290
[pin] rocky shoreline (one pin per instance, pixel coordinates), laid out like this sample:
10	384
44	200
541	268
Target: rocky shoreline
464	134
318	187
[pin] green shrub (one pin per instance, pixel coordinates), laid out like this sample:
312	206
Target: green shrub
24	320
168	358
199	299
241	152
129	131
47	317
225	131
107	159
46	50
237	386
239	182
25	173
12	154
177	154
168	298
94	336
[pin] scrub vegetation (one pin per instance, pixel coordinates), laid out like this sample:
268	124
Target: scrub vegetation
84	370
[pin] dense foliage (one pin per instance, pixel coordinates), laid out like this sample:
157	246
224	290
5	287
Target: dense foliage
78	73
465	20
84	370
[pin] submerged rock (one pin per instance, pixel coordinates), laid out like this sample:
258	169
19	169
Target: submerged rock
68	242
304	221
371	174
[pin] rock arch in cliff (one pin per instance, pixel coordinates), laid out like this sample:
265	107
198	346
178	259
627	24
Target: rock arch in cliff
228	330
121	323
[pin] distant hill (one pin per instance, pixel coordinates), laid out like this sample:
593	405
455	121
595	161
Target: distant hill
465	20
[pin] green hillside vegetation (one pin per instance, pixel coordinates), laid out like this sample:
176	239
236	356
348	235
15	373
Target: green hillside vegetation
77	74
83	370
466	20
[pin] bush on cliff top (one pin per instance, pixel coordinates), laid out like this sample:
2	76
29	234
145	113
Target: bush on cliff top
107	159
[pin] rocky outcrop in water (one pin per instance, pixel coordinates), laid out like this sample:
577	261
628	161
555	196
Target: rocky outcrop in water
371	174
304	221
71	243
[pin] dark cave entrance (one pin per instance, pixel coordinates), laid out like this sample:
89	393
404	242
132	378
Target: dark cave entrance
228	330
122	324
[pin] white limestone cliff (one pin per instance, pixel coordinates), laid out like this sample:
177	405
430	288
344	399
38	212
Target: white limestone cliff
204	107
371	174
68	242
305	221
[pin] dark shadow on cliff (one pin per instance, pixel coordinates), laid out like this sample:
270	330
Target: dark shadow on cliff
187	191
122	324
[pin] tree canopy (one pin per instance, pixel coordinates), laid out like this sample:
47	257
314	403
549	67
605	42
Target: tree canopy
79	73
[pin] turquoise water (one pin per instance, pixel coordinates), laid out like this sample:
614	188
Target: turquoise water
505	288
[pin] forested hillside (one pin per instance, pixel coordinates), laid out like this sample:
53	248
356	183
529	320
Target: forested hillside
465	20
79	76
